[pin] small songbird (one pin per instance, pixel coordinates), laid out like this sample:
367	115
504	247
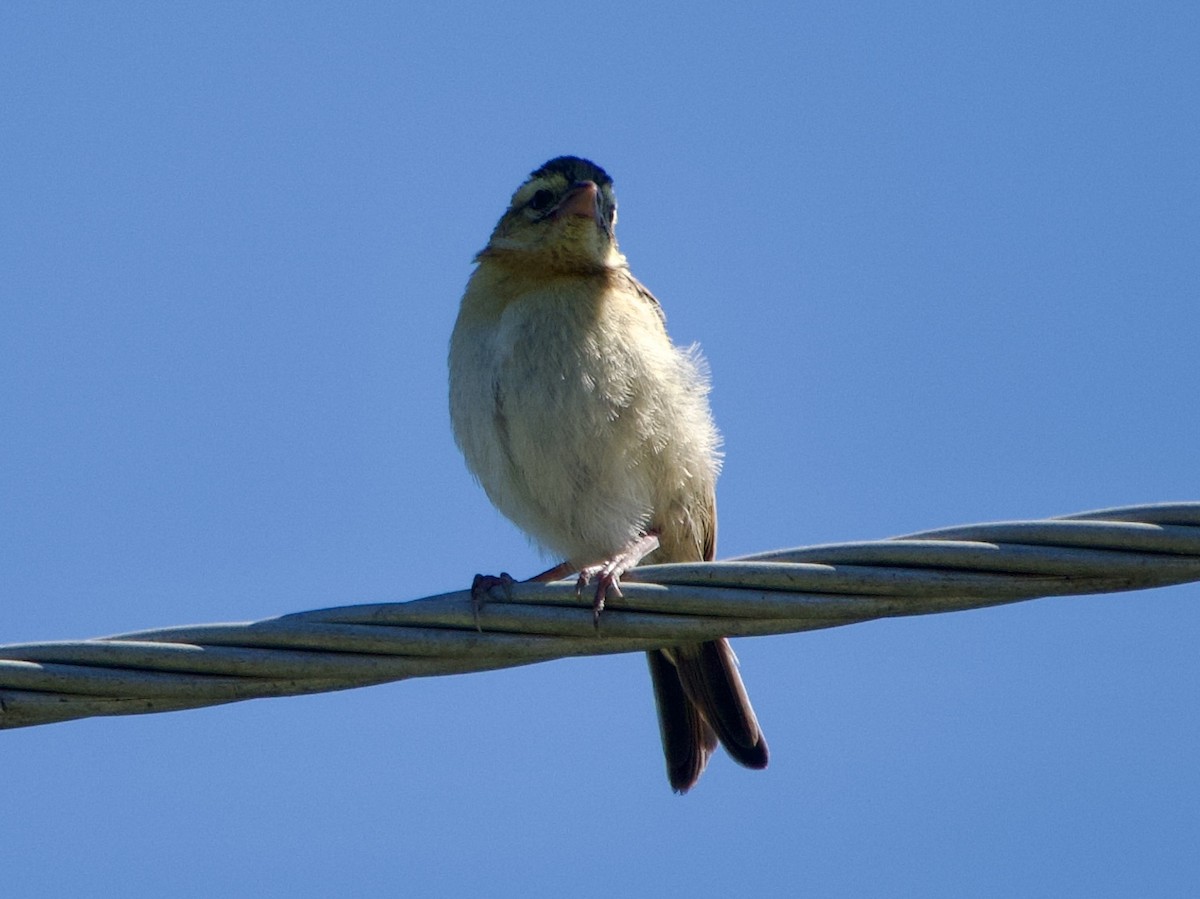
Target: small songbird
591	431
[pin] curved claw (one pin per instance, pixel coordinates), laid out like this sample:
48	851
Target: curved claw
481	588
608	577
608	573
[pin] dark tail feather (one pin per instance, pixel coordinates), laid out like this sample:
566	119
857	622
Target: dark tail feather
687	739
710	678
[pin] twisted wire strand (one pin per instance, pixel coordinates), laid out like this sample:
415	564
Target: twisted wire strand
786	591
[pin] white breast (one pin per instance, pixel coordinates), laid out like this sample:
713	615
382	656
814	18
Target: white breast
581	420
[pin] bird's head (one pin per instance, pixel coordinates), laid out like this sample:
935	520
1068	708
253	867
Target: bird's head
561	219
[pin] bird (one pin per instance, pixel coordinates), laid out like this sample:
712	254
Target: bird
592	432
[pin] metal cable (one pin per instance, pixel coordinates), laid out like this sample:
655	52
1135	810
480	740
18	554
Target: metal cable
786	591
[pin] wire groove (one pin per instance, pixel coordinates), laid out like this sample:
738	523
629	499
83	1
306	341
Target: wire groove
783	591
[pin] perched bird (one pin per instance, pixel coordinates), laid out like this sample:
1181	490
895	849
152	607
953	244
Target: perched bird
591	431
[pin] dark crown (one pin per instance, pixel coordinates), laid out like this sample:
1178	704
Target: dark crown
573	168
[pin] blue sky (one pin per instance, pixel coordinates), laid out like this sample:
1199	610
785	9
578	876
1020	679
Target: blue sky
943	260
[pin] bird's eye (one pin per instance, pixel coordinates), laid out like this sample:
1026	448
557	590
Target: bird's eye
541	200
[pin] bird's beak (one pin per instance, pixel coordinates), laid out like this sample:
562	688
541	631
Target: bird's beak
582	200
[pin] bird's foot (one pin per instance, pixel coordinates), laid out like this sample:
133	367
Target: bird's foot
481	588
607	574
